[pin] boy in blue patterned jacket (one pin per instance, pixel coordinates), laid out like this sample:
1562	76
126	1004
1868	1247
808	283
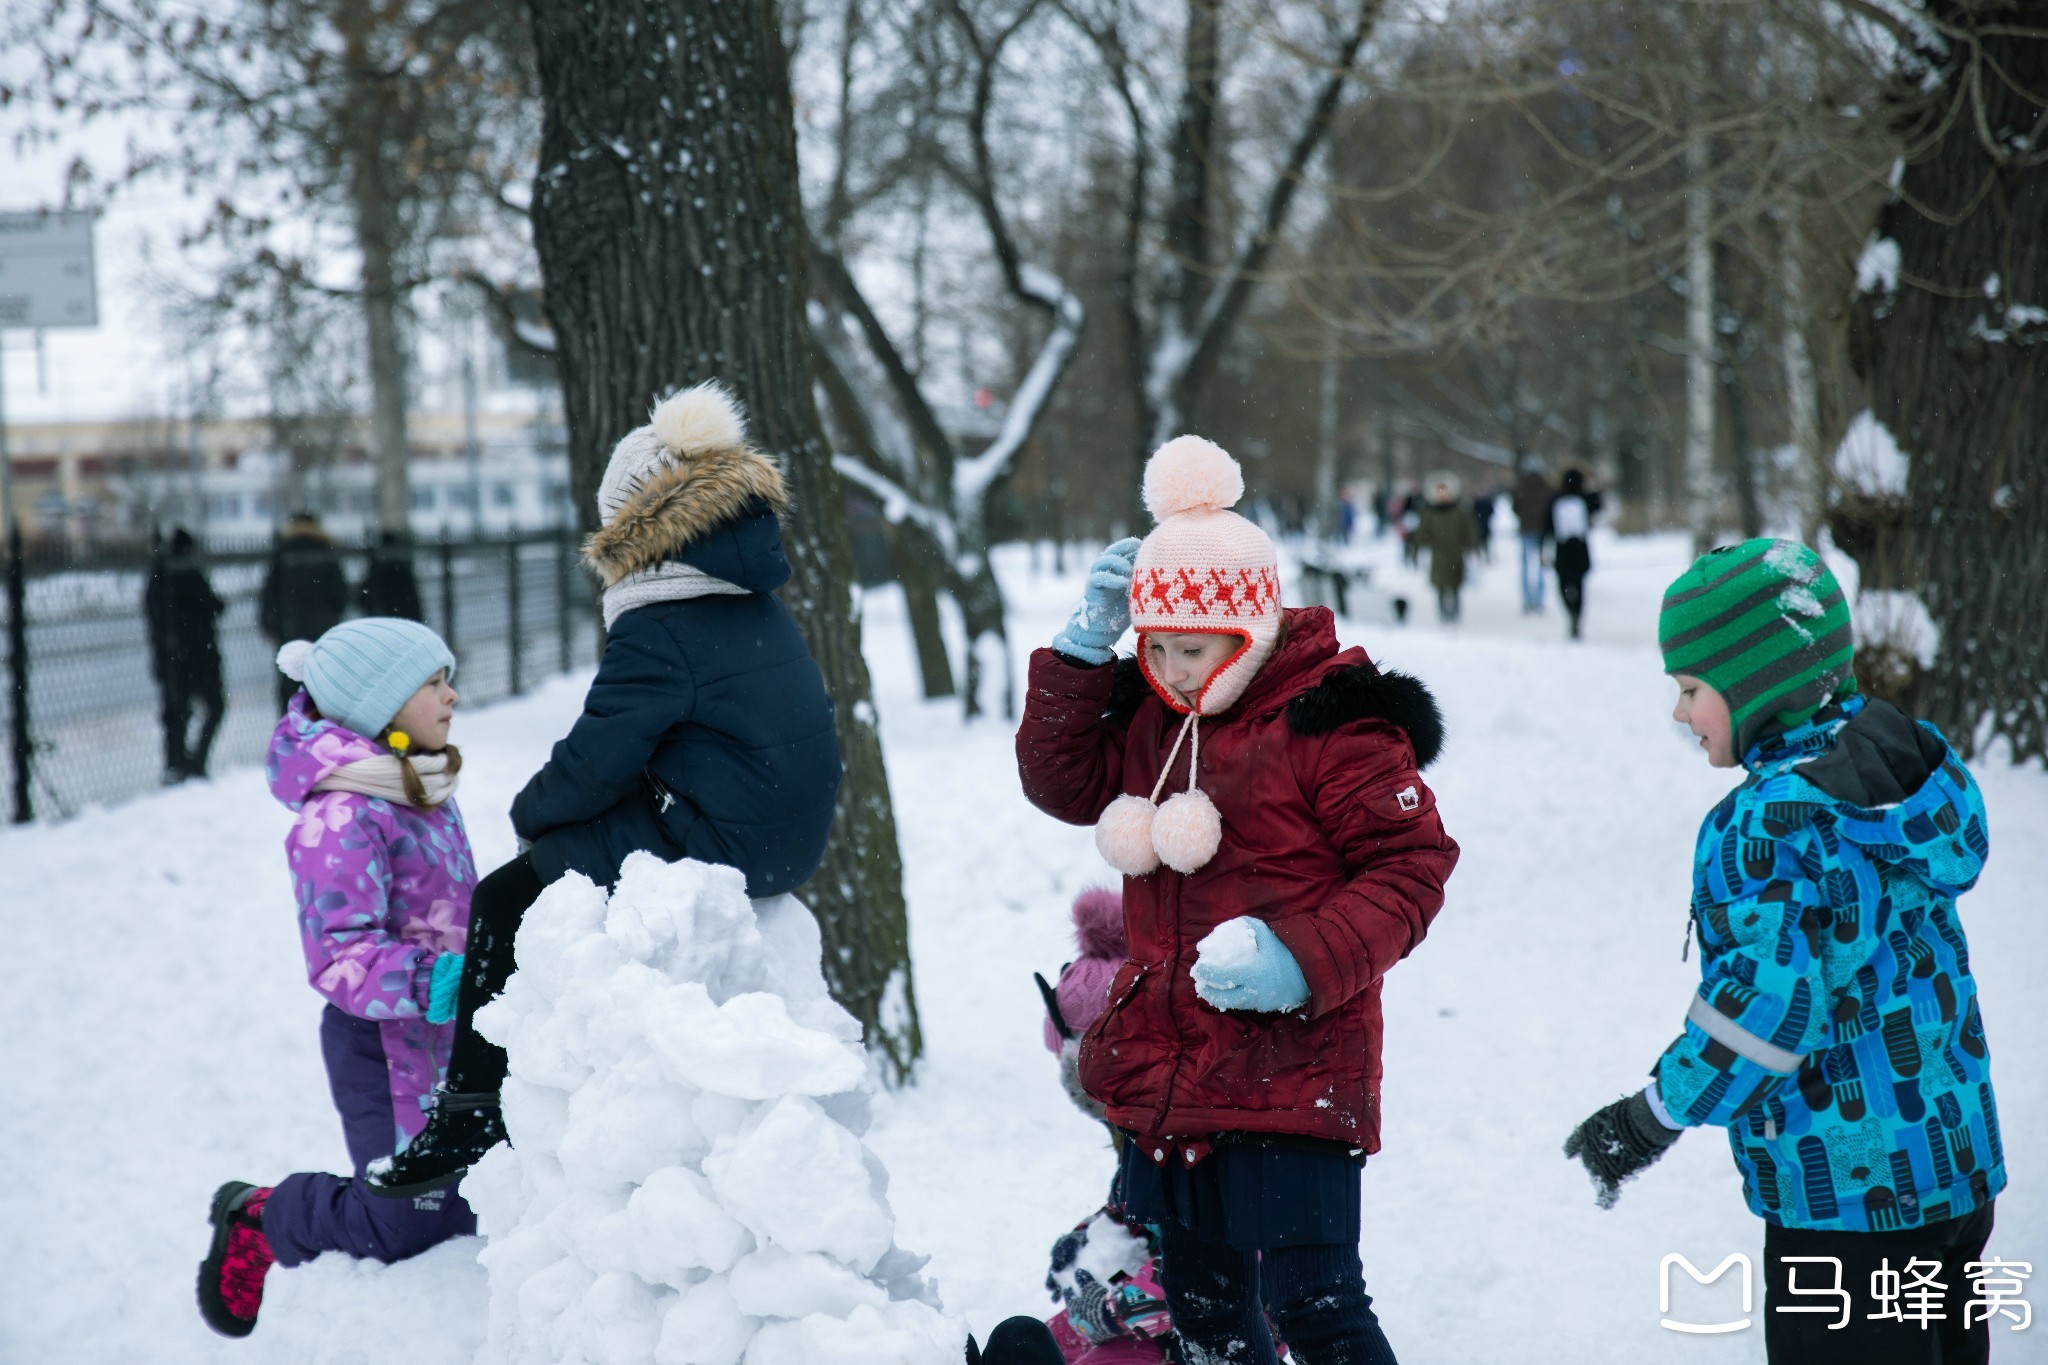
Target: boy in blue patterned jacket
1836	1032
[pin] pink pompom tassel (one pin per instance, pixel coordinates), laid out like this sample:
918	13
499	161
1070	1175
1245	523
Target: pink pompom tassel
1187	831
1124	836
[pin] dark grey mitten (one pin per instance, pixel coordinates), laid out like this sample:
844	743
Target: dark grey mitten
1617	1143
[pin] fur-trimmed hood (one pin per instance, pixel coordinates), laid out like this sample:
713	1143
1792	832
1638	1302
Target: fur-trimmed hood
1344	694
680	504
1367	692
670	484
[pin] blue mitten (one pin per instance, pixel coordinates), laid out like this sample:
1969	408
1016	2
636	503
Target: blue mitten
1104	612
442	988
1243	965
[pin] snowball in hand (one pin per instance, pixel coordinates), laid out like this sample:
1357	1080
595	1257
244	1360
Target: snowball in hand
1242	965
1229	948
686	1182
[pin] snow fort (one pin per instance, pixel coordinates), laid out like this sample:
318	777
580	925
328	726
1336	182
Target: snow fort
686	1183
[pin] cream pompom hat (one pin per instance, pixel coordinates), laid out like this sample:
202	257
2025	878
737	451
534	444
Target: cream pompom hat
1203	570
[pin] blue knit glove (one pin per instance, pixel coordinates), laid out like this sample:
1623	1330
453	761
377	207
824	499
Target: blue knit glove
1243	965
1104	612
442	987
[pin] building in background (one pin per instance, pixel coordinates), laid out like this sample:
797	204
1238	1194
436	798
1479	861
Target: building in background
231	482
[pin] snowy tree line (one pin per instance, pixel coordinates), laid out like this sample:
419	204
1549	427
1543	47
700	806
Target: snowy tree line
1682	244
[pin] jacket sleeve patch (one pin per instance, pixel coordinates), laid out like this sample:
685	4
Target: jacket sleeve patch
1399	798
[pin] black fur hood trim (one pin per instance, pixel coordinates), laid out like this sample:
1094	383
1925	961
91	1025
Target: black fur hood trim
1363	692
1127	692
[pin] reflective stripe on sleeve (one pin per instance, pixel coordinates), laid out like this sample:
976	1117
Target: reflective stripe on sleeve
1740	1040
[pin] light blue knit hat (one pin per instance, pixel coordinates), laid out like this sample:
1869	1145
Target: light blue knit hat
360	672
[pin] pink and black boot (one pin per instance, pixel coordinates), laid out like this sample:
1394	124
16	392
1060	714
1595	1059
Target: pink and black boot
231	1276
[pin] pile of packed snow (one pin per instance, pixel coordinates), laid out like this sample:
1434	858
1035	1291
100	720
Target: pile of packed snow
687	1182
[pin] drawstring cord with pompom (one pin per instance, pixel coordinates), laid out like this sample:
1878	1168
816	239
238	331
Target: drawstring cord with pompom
1193	722
1136	833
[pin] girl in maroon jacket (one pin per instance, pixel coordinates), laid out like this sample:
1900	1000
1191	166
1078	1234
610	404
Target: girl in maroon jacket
1260	791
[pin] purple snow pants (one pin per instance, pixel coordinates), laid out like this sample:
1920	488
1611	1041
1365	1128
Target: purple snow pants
315	1212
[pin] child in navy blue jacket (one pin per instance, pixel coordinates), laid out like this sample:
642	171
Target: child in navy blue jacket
706	734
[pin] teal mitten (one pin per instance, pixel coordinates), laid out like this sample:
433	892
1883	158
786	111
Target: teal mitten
443	986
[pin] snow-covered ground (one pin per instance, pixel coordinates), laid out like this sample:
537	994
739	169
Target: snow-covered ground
156	1037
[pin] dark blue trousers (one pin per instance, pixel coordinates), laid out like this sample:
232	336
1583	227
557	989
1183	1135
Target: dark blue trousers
1253	1221
314	1212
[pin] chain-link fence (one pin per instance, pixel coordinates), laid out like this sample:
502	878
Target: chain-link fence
109	679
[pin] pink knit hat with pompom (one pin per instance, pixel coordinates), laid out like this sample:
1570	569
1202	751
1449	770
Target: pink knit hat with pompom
1083	990
1203	570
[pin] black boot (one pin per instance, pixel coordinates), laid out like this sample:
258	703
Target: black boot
1017	1341
465	1121
461	1127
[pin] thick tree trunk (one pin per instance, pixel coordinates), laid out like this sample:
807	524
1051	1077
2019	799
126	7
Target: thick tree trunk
673	245
1953	360
377	231
919	567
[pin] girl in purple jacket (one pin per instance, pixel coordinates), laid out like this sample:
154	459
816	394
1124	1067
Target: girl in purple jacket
382	873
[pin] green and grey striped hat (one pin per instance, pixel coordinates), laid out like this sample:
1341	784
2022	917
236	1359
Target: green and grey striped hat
1767	626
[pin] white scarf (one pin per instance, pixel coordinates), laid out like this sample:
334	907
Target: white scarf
379	776
668	581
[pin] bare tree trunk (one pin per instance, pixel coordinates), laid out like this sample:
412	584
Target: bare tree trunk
673	244
1802	388
1327	419
919	568
1702	490
1953	365
1203	295
377	232
1748	500
920	562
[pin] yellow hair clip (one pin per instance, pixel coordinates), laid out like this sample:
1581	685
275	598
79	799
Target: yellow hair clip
399	741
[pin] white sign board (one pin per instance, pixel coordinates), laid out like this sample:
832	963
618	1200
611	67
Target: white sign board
46	274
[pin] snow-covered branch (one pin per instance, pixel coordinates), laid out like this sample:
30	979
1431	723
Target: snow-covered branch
1181	354
897	503
972	478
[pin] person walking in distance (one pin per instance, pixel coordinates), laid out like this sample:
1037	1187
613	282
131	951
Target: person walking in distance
1532	497
305	592
1571	522
183	613
1451	536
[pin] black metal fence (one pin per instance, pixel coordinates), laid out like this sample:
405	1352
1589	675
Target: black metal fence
82	711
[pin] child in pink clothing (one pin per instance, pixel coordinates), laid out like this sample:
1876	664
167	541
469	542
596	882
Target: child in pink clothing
1105	1272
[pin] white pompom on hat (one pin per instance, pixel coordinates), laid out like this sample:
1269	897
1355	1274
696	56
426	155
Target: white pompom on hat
291	659
1204	568
684	424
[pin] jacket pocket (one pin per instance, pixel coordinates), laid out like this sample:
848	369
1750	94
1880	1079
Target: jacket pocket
1119	1063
